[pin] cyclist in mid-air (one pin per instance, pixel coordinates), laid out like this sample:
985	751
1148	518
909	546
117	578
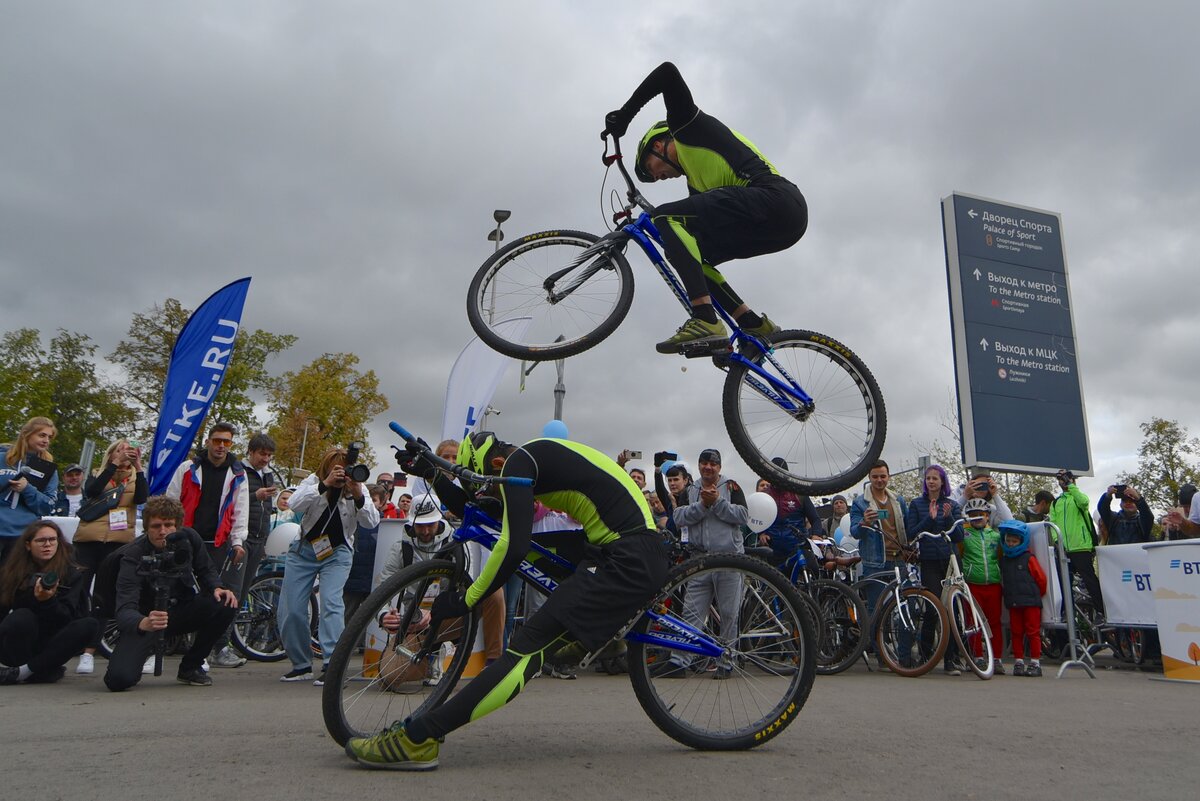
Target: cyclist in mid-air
626	565
738	204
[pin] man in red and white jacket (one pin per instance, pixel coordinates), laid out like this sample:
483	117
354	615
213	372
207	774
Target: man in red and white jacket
216	504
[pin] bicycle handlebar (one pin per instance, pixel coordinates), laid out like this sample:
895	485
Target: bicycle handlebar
635	197
457	470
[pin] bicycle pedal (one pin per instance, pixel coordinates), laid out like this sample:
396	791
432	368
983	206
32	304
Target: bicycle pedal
700	350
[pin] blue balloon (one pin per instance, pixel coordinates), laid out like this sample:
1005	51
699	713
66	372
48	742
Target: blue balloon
556	429
667	466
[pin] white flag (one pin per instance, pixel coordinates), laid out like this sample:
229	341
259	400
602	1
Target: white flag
474	378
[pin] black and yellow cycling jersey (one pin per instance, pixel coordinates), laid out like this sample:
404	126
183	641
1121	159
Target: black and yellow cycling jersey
567	477
712	154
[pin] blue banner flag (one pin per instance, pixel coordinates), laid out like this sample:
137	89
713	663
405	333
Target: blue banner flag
198	364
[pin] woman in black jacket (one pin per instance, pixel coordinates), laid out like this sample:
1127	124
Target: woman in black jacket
42	624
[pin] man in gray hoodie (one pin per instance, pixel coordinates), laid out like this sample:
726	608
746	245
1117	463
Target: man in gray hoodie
714	515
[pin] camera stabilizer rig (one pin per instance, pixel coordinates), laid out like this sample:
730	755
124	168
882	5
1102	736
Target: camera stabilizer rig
163	568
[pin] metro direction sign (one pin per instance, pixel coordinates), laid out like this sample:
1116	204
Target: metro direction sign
1020	398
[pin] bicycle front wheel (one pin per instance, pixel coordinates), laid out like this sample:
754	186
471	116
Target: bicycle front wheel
376	677
547	296
911	636
828	445
842	621
760	682
971	632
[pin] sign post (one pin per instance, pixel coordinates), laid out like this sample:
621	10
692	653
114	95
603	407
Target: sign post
1020	399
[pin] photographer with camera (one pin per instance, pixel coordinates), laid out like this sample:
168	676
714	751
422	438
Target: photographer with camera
28	480
331	504
1133	523
42	617
155	597
982	486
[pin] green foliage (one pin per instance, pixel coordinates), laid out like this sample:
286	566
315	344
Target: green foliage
329	400
1166	460
63	385
145	355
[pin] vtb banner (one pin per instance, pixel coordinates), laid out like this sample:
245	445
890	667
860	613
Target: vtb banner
199	360
474	378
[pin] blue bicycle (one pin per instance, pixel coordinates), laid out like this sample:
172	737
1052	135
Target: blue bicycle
808	398
411	663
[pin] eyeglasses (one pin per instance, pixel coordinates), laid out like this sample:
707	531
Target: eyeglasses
45	541
220	441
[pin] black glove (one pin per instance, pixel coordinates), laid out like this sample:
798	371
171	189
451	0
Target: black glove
615	124
449	604
412	461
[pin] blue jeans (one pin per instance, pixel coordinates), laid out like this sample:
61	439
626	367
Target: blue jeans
299	573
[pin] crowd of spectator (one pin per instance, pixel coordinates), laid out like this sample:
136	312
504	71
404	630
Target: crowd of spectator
208	532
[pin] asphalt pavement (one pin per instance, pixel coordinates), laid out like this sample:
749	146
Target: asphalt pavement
861	735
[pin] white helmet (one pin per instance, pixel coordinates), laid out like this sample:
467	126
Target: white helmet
977	505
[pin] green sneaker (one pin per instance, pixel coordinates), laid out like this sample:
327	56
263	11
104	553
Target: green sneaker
694	333
762	331
393	750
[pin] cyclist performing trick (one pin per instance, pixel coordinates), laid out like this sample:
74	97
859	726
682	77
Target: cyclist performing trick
738	206
627	559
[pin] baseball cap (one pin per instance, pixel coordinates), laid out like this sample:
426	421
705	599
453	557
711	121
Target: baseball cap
836	498
710	455
73	469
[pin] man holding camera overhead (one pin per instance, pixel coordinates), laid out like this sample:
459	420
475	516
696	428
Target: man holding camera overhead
331	504
216	504
176	556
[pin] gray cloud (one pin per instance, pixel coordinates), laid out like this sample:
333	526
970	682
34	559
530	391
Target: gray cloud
348	158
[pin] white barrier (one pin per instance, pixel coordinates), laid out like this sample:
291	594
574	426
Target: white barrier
1175	570
1125	581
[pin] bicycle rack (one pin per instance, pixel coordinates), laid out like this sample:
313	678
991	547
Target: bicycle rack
1080	656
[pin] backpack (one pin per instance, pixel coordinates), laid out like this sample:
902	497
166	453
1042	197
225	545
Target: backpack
104	591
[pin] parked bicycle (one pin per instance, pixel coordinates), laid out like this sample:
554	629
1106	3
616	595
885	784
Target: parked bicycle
412	666
799	394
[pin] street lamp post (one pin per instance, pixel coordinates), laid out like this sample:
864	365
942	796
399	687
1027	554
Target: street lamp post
497	236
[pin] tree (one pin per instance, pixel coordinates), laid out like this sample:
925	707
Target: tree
145	355
61	384
1165	461
329	401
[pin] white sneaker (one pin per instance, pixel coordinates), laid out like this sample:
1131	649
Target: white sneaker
226	658
87	664
148	668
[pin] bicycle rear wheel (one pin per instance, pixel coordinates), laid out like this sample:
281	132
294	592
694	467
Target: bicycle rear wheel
388	679
255	627
971	630
758	685
842	621
899	629
570	306
829	445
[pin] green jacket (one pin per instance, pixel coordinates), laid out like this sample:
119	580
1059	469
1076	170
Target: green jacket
980	555
1071	512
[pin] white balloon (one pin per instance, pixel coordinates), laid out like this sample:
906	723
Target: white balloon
281	538
763	511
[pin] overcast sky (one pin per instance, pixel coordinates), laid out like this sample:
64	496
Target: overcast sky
348	157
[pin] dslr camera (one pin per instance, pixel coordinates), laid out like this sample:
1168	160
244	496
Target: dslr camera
175	559
355	471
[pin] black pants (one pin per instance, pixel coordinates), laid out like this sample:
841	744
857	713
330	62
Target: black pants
235	577
203	614
587	607
1083	564
23	643
932	573
732	222
90	555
